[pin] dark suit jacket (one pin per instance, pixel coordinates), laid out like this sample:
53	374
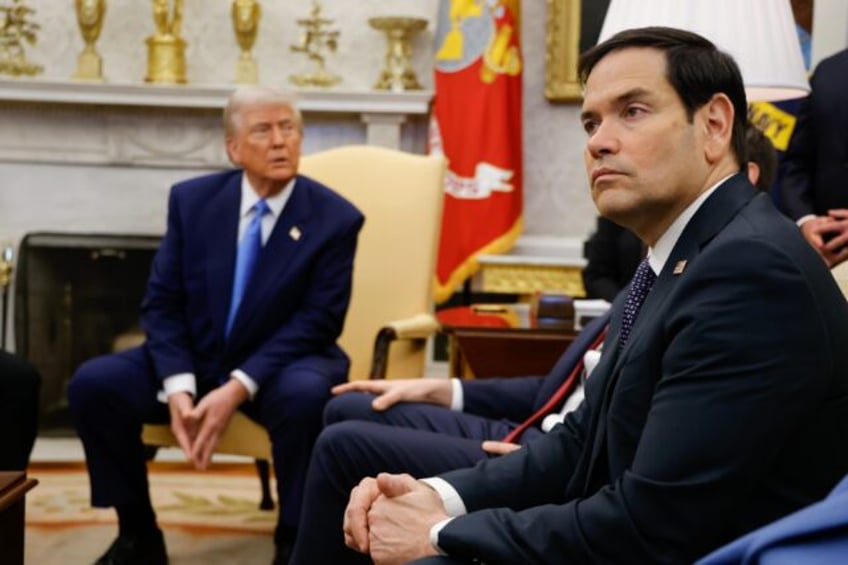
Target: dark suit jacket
727	408
815	167
612	255
295	302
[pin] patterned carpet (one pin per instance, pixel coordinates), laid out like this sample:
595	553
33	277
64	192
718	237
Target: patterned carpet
208	517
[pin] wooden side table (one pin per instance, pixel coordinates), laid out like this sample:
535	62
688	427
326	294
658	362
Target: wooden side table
502	340
13	488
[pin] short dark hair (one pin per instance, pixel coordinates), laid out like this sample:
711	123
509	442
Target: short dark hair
695	68
762	152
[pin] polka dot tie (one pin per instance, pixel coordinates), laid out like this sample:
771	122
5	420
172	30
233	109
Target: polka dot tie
640	286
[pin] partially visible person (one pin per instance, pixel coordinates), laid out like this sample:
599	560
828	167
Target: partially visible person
20	384
720	402
424	427
613	252
612	255
814	170
762	158
247	295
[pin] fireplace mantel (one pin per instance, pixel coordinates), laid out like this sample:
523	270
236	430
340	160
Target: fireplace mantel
52	121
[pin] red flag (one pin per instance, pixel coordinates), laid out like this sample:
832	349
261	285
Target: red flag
476	124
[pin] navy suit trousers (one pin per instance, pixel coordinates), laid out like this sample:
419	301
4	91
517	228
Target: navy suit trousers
357	442
112	396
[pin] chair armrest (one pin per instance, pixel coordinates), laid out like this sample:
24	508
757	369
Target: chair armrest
420	326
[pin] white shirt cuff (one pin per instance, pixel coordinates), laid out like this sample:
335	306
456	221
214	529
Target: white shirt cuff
247	382
450	498
434	535
457	398
804	219
181	382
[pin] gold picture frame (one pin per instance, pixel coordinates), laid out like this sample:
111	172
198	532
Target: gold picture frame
562	50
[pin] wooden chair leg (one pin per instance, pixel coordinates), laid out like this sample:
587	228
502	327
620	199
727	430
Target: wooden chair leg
263	468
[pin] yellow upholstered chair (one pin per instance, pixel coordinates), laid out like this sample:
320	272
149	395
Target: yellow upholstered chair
390	313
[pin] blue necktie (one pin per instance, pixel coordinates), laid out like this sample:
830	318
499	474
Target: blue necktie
248	252
640	286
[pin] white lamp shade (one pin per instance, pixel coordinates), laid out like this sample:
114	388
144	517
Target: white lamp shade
759	34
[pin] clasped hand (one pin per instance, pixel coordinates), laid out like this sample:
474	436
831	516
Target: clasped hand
390	518
829	235
198	428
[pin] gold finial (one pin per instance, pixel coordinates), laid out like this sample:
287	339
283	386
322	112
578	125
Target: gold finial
90	15
246	15
165	48
315	42
17	28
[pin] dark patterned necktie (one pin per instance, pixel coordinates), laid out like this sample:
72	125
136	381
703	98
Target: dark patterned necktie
640	286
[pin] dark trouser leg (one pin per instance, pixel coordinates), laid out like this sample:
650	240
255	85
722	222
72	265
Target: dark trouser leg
290	408
110	397
347	452
19	388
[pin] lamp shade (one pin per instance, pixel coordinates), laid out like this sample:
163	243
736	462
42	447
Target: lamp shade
759	34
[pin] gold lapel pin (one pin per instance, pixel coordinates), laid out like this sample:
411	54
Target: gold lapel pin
295	233
679	267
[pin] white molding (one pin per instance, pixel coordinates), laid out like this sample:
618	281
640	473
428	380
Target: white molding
208	97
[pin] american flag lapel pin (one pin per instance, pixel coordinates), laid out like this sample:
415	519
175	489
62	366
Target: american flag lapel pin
294	233
679	267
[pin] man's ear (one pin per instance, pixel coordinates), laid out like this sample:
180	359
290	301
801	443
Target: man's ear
718	126
232	150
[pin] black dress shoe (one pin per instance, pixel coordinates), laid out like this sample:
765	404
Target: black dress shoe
139	550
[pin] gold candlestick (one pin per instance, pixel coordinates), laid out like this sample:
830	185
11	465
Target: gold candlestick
246	15
316	40
397	74
165	48
17	28
90	14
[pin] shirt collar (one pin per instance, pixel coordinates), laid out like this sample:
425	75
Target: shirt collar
276	203
660	252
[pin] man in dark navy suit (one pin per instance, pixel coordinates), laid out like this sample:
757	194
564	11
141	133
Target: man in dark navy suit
424	427
247	295
814	179
720	401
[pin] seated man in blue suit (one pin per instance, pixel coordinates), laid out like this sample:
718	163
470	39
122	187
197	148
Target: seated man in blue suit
720	402
424	427
247	295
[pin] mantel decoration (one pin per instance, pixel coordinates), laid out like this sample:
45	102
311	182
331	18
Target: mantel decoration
246	15
165	48
316	41
397	74
90	14
17	27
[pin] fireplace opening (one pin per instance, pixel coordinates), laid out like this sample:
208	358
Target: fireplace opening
74	294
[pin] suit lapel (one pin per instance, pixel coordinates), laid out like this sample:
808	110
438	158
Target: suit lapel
221	250
721	207
291	232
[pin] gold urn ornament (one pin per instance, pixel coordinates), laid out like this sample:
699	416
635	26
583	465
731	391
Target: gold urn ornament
246	15
166	49
397	74
90	14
